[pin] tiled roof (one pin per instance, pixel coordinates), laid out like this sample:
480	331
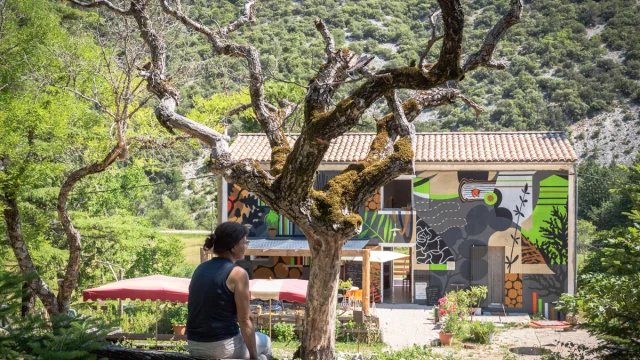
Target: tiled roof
466	147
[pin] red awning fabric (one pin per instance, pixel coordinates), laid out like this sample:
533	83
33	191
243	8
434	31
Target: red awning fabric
156	287
279	289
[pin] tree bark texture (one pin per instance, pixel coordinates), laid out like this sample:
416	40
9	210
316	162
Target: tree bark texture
322	295
70	279
21	252
28	300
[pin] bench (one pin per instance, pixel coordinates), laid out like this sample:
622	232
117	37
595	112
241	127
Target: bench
161	337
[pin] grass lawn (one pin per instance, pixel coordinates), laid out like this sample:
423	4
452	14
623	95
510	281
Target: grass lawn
192	245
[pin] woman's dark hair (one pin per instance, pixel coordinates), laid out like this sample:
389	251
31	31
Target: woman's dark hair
225	237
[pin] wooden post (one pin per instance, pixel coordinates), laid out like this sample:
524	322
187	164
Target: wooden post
366	270
120	307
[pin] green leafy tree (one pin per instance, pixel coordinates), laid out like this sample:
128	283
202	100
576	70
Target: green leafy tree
609	292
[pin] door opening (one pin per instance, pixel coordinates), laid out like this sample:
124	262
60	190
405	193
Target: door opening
397	274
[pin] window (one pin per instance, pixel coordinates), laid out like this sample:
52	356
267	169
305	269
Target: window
397	195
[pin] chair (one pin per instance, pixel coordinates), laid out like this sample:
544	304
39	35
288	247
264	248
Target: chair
406	281
356	300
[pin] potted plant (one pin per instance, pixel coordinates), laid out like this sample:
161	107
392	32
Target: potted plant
570	306
178	317
272	219
345	285
476	295
450	312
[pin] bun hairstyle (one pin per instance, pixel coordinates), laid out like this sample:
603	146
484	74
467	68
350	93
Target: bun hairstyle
225	237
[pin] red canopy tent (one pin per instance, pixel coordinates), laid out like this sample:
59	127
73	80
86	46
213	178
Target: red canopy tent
279	289
155	287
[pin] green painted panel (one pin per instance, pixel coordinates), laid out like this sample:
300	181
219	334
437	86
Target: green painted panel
554	180
443	196
554	188
421	189
437	266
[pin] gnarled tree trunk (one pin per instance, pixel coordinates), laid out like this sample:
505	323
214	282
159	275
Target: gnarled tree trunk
322	294
25	263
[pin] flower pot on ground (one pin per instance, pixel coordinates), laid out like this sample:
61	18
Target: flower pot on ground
446	339
178	317
179	329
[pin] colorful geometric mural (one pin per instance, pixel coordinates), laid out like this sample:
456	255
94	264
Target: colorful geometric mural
525	212
430	248
513	290
373	202
387	226
454	216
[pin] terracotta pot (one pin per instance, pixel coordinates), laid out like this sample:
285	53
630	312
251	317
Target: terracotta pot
179	329
273	232
572	319
446	339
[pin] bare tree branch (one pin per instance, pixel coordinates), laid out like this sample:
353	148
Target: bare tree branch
267	119
432	40
484	56
448	65
239	109
248	17
98	3
70	279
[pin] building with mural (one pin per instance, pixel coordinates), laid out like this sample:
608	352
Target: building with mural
492	209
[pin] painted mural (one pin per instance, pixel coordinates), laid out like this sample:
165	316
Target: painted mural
524	212
457	220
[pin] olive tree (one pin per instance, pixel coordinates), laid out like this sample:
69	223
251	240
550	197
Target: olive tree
328	217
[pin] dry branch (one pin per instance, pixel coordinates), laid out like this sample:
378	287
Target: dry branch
432	40
484	56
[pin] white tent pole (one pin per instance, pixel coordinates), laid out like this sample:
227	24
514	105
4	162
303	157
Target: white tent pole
156	324
270	312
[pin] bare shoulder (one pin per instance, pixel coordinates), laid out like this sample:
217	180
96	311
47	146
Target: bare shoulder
239	273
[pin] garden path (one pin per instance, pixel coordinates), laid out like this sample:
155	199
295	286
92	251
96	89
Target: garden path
408	324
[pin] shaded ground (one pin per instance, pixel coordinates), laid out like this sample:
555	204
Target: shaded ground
406	325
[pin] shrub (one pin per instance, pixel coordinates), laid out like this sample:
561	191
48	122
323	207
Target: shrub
61	337
479	331
178	314
284	332
415	352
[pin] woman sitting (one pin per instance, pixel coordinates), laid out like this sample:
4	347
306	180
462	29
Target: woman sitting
219	301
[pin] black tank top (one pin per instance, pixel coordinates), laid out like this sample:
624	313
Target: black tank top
212	308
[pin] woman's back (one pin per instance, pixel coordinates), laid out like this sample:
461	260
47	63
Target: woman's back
212	307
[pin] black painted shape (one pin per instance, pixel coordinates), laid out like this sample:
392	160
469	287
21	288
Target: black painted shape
430	247
500	219
477	220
